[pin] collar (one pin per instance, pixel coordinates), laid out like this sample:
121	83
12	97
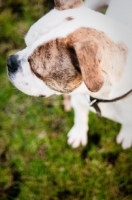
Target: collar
94	102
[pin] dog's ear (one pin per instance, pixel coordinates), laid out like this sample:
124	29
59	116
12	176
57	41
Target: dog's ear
89	58
67	4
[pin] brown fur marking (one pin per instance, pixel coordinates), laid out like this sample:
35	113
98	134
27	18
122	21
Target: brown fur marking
56	66
82	56
89	59
67	4
69	18
112	56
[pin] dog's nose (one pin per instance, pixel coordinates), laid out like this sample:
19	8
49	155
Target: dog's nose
12	63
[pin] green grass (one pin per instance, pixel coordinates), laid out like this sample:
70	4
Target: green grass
35	161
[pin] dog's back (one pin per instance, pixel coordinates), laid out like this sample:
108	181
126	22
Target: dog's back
121	10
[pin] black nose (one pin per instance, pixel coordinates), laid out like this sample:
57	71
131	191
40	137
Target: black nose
12	63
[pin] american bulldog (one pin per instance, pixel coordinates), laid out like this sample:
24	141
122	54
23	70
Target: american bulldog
77	51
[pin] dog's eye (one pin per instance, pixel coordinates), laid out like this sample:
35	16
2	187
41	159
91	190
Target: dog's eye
38	75
29	59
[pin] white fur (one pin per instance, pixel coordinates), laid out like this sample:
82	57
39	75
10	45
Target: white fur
54	25
120	111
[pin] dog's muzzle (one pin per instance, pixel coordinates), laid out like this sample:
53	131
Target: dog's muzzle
12	63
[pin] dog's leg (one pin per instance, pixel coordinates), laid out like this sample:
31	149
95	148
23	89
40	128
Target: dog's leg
78	133
125	136
125	118
67	103
120	112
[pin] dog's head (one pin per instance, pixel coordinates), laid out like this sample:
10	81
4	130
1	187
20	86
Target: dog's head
60	54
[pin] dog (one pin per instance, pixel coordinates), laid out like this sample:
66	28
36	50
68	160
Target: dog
74	50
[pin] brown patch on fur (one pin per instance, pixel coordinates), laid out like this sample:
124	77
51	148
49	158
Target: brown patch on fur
112	56
67	4
56	66
89	60
69	18
83	55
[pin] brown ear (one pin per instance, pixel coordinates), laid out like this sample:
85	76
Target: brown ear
67	4
89	58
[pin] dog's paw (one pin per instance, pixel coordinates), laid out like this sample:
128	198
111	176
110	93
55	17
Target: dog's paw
77	137
125	137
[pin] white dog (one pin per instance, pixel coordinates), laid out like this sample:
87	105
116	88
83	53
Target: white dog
75	50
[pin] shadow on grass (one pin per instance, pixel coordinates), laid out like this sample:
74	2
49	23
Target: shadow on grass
12	190
94	139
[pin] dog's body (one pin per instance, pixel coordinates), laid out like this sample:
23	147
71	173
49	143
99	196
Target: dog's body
117	111
80	51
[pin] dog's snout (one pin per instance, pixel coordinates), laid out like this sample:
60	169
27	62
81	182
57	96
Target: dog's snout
12	63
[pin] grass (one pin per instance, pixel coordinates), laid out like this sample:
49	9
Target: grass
35	161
